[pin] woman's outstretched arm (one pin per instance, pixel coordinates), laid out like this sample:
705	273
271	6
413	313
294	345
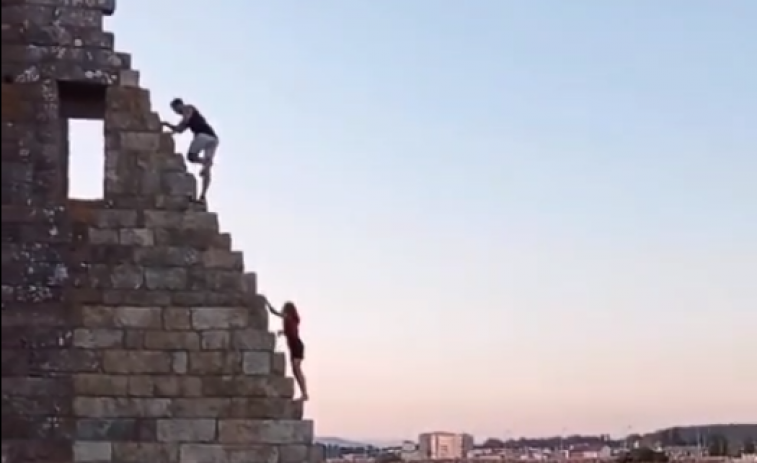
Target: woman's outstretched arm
270	307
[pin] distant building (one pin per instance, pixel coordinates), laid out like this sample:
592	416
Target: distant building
444	445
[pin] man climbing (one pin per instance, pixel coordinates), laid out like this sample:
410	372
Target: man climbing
205	140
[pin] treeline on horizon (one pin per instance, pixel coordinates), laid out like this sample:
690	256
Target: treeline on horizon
735	435
712	436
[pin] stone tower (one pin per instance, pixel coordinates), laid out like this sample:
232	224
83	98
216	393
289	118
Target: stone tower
130	332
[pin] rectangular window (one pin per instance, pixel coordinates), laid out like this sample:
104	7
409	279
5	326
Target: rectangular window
86	159
82	116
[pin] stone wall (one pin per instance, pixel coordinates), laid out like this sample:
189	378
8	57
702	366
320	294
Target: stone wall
130	332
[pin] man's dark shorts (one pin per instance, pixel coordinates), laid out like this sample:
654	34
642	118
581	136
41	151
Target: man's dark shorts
296	349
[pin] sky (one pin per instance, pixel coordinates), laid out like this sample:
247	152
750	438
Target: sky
499	217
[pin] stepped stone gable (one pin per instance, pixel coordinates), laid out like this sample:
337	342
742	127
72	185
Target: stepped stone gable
130	332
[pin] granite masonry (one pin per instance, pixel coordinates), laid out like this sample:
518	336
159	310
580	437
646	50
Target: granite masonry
130	332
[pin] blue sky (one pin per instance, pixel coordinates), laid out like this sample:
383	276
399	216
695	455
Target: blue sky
496	216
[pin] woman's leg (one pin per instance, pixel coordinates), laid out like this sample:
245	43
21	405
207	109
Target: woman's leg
299	376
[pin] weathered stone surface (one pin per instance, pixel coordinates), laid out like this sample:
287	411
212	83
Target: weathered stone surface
130	330
138	452
92	452
187	430
265	431
111	407
117	430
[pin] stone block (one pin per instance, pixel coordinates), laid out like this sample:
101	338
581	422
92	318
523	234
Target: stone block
205	453
37	451
166	278
215	280
223	259
177	236
43	54
178	386
211	318
279	364
33	407
148	142
214	363
222	241
114	407
50	35
188	220
137	362
131	101
248	386
179	362
256	453
216	340
34	387
281	432
98	338
294	453
142	122
257	363
316	454
137	298
116	218
250	283
137	317
157	256
97	384
49	362
136	237
167	340
201	407
129	78
42	338
92	452
101	316
253	339
134	339
99	236
186	430
145	452
14	104
115	429
264	408
177	318
127	276
181	184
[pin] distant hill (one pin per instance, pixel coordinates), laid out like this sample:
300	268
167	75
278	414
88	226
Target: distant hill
346	443
736	434
339	442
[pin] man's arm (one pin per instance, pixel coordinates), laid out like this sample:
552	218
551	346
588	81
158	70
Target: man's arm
181	126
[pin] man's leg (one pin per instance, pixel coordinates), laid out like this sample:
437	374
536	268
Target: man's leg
194	150
207	163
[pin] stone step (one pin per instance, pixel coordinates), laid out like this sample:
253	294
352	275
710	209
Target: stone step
107	7
129	78
250	283
82	56
48	35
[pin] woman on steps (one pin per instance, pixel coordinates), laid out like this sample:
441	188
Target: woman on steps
291	331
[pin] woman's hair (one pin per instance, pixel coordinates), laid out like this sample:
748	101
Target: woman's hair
289	309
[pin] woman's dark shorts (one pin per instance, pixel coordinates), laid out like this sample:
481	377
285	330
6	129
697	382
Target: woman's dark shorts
296	349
